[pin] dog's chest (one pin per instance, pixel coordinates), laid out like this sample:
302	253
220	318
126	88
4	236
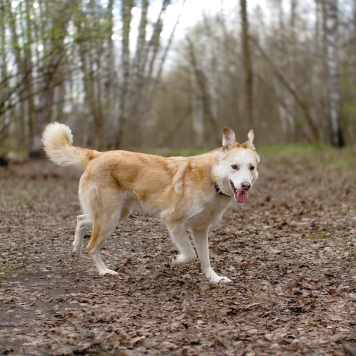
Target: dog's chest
210	211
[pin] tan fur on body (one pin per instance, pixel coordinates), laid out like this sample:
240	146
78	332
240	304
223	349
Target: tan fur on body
178	190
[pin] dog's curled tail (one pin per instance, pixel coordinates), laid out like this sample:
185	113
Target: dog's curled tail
57	142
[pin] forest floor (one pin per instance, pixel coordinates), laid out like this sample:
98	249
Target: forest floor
290	252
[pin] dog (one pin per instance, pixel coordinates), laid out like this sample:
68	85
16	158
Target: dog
186	193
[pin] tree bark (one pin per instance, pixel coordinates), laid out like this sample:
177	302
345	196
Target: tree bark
247	65
292	71
50	69
126	8
282	56
200	77
337	137
140	47
303	106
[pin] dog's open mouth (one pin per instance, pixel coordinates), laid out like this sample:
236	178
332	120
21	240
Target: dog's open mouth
240	195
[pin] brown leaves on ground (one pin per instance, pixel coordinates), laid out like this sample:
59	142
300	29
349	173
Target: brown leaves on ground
289	251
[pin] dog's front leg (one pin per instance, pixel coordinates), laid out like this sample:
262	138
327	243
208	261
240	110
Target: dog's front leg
181	240
200	236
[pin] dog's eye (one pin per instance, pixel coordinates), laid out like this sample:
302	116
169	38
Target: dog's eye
234	166
252	168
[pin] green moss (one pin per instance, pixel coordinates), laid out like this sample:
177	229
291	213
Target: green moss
6	270
324	234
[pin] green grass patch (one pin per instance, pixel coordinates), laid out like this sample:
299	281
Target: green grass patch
280	150
341	161
325	155
6	270
20	152
340	211
289	150
13	202
324	235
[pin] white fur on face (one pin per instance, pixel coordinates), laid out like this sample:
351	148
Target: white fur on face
243	159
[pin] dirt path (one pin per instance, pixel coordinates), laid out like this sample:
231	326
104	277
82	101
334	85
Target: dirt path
290	252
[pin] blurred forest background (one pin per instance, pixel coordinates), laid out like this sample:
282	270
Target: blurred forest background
153	74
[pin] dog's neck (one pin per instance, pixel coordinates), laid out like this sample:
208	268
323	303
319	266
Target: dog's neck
221	187
218	190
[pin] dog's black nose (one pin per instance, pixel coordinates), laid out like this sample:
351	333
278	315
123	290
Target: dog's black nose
245	186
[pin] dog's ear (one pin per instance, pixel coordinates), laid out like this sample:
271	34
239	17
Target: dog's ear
249	142
229	139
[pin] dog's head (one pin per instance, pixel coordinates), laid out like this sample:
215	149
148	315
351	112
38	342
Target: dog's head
236	169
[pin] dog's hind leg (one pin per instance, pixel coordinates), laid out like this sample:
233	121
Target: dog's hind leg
181	240
83	224
103	227
200	237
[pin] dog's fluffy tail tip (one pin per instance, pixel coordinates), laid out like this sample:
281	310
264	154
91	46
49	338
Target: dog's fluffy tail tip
57	134
57	142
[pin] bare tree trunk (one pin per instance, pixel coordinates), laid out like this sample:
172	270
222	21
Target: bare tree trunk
110	78
282	56
22	65
135	97
201	81
315	137
321	90
141	104
229	58
197	113
60	98
126	8
285	62
161	65
155	41
90	53
246	58
99	122
354	39
54	52
4	80
292	72
137	65
337	137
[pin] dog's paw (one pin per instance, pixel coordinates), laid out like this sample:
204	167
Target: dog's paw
218	279
224	280
108	272
181	260
76	252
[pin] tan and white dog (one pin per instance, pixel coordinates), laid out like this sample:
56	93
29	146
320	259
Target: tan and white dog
184	192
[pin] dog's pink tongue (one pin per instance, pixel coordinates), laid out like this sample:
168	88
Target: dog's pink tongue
241	196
